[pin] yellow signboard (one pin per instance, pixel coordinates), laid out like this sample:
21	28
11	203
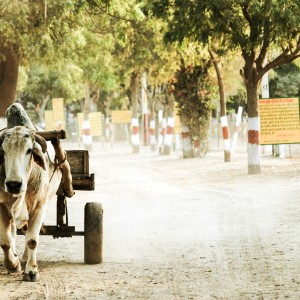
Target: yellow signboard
279	121
121	117
58	109
51	123
95	120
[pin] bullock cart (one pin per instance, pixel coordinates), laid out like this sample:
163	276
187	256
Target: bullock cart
82	180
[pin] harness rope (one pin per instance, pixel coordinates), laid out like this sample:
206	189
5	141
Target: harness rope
56	164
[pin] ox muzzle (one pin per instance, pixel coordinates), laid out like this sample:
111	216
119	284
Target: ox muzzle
13	187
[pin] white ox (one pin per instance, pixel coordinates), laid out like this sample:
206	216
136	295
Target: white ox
27	180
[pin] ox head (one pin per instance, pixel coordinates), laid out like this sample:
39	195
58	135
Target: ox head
19	148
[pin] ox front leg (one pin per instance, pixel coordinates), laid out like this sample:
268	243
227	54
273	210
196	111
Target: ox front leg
31	243
7	241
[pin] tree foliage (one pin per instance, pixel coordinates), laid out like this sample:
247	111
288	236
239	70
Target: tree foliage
191	89
39	29
285	82
254	27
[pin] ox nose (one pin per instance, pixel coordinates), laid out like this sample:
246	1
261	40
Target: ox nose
14	187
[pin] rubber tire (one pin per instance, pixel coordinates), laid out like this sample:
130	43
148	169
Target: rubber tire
93	233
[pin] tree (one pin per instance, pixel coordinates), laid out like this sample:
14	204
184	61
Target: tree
255	27
33	30
45	82
223	116
138	49
285	82
191	90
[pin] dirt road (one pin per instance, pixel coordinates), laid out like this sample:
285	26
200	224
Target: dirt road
177	229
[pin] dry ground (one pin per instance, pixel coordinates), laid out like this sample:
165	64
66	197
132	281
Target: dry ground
177	229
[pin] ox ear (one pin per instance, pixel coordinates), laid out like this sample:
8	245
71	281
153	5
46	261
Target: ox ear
39	158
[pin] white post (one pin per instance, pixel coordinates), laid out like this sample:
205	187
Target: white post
236	129
267	149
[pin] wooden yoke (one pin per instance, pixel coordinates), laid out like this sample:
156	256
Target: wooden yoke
61	159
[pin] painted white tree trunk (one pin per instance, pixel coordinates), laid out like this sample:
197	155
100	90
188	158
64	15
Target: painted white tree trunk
253	146
152	135
187	149
226	138
162	127
135	136
177	142
169	135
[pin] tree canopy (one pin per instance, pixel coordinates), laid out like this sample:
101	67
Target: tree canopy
254	27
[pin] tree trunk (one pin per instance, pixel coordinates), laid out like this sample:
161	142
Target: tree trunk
87	101
187	150
253	127
169	127
9	70
135	136
42	110
152	120
224	122
87	139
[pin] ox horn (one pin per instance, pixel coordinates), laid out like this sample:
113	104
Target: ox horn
39	139
1	150
2	136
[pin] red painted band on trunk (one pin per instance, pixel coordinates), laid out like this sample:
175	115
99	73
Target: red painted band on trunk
185	135
151	131
196	144
225	133
86	131
236	129
253	137
162	132
169	130
135	129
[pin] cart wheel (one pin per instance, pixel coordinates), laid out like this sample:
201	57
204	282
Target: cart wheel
93	233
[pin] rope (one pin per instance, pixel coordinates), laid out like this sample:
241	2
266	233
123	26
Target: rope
56	165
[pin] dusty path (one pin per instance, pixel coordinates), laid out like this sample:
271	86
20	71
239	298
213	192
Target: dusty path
177	229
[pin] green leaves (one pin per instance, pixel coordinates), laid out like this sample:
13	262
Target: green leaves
191	88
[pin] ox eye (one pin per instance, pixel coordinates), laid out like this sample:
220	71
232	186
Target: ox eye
29	151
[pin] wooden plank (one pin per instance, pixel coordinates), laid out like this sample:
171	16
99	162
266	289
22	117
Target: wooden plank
79	161
83	182
48	135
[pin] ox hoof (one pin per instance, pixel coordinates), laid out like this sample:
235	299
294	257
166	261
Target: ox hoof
31	276
16	269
